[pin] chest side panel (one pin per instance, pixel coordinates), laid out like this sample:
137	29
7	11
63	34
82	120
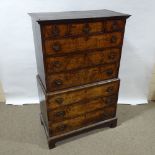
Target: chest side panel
38	51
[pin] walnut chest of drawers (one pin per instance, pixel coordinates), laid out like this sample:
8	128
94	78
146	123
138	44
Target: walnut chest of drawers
78	55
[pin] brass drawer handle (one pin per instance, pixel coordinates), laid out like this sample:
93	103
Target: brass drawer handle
86	29
112	56
110	89
114	26
62	127
60	113
59	100
56	64
113	39
111	100
58	82
108	101
56	47
109	72
55	31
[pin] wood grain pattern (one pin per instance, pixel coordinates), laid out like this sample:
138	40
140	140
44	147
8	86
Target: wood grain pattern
67	98
115	25
79	108
69	45
81	28
78	55
81	121
81	60
52	140
72	29
79	77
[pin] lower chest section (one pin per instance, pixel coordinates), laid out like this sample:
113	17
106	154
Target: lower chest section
82	106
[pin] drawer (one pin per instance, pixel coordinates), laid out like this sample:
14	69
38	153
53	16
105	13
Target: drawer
79	108
81	60
82	121
71	29
83	76
72	45
81	28
115	25
83	93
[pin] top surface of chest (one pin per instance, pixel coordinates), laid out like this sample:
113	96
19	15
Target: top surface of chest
75	15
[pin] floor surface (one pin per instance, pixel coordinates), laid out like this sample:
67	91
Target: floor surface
22	134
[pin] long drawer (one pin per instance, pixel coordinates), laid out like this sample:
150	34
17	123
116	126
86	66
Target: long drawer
82	121
80	108
83	76
71	45
58	30
81	60
83	93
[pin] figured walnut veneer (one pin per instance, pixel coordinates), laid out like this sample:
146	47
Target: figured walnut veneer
78	57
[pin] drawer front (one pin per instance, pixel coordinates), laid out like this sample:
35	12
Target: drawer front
57	101
72	29
69	45
115	25
83	76
80	108
81	60
82	121
82	28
